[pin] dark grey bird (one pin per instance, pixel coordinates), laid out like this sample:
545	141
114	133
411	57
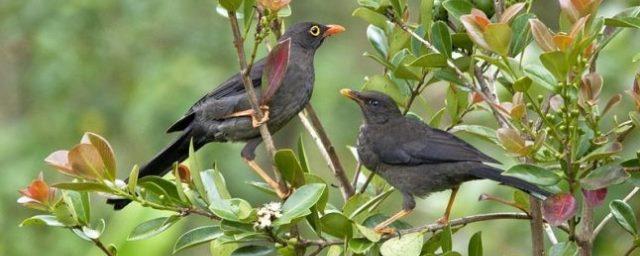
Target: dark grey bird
215	117
417	159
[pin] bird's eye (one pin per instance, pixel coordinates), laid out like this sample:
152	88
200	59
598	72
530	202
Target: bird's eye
373	102
314	31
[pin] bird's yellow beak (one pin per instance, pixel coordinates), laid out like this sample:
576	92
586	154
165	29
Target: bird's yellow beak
351	94
333	30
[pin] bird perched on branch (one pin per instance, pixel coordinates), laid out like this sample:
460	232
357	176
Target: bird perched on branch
225	114
417	159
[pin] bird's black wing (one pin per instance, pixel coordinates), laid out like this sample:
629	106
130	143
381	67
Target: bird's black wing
421	144
233	86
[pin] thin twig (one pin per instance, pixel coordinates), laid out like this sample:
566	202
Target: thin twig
103	248
366	182
537	230
498	7
356	176
471	219
312	123
610	215
253	99
633	248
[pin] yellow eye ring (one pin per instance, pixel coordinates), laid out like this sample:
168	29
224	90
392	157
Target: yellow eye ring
314	31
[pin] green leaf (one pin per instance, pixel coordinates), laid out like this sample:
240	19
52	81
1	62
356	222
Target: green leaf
624	215
522	84
441	38
65	213
197	236
407	245
133	179
369	233
360	245
449	75
195	167
215	185
457	8
556	62
167	187
431	60
603	152
604	176
446	240
483	132
353	204
298	204
563	249
378	39
234	209
248	11
367	205
436	118
371	17
48	220
541	77
262	186
337	225
623	22
533	174
498	37
521	199
152	227
83	186
334	250
521	33
426	13
230	5
254	250
220	248
302	155
475	244
286	161
78	203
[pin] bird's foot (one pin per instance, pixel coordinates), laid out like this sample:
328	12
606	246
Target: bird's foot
385	230
265	117
444	220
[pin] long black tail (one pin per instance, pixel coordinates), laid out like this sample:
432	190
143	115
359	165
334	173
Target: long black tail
495	174
162	163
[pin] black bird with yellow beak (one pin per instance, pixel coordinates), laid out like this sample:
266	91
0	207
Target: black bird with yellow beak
225	114
417	159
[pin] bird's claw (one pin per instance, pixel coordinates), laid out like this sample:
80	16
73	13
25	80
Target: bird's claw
385	230
265	117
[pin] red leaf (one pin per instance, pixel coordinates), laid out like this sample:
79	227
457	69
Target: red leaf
275	69
559	208
60	161
184	174
37	192
594	197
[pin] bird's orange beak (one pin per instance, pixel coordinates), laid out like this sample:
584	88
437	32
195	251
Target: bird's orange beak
333	30
351	94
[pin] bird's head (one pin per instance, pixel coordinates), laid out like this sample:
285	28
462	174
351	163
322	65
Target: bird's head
377	107
310	35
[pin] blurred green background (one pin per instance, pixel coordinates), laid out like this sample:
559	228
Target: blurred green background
127	69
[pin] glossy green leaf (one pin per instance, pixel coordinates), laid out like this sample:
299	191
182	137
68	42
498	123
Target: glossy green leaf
624	215
457	8
254	250
483	132
197	236
371	17
152	227
384	84
533	174
522	84
234	209
556	62
337	225
431	60
498	37
302	155
449	75
521	33
133	179
219	248
406	245
369	233
298	204
623	22
541	77
564	249
230	5
48	220
378	39
167	187
441	38
426	13
360	245
475	244
288	164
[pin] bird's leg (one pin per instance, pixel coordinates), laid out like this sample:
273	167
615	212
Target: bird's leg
445	218
407	207
254	119
248	155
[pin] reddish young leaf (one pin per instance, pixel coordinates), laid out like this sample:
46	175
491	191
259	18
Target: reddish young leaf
105	151
511	12
275	69
274	5
184	173
594	198
60	161
86	162
542	35
475	24
590	88
559	208
38	193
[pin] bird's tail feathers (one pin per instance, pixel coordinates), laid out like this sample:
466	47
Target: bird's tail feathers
161	163
496	175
